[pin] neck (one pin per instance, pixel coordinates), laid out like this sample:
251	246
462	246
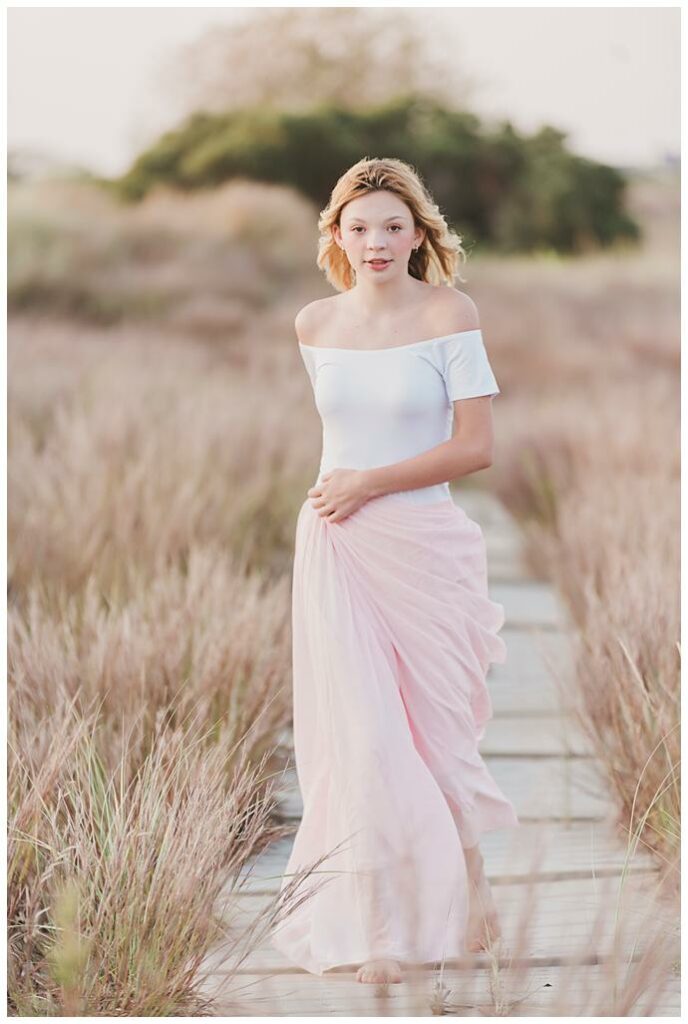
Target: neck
374	298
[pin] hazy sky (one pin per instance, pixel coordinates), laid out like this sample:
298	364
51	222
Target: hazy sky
84	86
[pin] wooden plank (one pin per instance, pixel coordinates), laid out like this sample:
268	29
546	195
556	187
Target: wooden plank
551	990
551	850
528	603
529	736
504	567
522	736
558	788
541	921
535	679
506	561
546	852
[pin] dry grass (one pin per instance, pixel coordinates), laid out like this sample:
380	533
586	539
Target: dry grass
589	460
150	536
596	482
154	478
205	262
165	651
128	448
114	875
144	741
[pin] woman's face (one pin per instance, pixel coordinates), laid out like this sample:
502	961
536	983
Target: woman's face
378	234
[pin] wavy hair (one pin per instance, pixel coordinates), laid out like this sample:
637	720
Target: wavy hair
439	255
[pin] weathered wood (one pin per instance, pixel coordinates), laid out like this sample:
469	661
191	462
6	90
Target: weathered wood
546	851
528	603
559	788
535	679
549	990
545	921
524	736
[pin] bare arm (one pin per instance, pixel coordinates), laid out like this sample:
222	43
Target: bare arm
468	450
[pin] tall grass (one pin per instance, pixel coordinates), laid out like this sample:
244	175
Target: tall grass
589	461
161	438
206	261
114	874
150	521
128	448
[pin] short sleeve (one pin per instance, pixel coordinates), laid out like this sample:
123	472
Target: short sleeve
465	367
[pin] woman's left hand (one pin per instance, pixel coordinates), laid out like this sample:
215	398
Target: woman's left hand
339	493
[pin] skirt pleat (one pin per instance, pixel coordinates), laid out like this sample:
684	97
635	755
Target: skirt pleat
393	633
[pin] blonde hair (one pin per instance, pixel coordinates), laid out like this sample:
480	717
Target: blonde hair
438	256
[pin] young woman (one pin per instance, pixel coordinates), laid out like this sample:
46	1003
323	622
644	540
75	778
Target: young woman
393	629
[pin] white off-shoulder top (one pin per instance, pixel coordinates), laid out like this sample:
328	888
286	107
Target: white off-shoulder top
380	406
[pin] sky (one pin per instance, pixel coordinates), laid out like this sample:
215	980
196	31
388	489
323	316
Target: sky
84	83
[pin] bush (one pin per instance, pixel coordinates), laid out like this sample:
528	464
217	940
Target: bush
513	192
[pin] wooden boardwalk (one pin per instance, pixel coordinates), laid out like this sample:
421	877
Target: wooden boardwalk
574	909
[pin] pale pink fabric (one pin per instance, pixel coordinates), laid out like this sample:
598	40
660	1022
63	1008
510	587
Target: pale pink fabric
393	633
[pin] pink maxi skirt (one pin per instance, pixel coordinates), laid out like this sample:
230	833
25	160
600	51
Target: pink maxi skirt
393	633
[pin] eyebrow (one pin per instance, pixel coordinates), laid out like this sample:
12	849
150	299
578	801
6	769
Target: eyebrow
397	216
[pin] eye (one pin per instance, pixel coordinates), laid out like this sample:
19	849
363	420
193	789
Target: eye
397	226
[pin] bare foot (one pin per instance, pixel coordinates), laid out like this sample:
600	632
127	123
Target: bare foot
379	971
483	923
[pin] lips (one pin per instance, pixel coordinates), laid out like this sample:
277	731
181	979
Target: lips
378	263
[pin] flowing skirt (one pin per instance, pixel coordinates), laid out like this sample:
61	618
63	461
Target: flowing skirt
393	633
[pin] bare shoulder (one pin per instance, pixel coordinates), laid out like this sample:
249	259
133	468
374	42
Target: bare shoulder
455	310
312	318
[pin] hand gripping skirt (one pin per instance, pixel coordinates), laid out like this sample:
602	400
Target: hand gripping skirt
393	633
